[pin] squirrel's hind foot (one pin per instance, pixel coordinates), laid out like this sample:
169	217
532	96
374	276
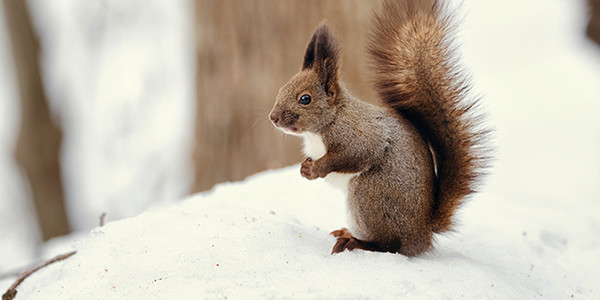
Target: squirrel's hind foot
345	240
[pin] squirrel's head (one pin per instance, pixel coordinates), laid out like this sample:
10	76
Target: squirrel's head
308	102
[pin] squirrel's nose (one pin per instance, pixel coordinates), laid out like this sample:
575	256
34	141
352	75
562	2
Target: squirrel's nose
274	118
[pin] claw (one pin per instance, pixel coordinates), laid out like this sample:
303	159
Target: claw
341	233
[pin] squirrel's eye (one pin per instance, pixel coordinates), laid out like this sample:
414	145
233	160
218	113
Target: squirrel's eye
305	99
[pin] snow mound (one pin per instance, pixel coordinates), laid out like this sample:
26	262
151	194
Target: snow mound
268	237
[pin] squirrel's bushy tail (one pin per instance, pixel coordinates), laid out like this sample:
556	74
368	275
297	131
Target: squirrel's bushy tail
415	73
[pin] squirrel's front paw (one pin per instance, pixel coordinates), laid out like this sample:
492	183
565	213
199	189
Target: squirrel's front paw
312	169
306	168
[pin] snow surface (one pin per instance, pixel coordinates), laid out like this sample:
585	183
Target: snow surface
267	237
533	231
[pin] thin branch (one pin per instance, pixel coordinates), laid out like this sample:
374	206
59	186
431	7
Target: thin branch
102	219
12	291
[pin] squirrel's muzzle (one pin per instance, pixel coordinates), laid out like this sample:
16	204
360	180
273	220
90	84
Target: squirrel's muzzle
284	120
274	118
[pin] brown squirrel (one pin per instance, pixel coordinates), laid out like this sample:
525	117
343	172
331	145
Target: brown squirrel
405	167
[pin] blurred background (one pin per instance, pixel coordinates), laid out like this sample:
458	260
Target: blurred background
114	107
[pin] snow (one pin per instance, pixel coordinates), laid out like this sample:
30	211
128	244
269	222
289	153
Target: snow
532	232
120	79
267	237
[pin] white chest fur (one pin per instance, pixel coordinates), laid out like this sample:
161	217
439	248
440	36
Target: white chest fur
313	145
315	149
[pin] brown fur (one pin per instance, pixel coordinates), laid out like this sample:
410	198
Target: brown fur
397	196
417	76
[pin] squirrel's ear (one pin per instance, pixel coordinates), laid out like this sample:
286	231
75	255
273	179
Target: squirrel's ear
322	55
309	56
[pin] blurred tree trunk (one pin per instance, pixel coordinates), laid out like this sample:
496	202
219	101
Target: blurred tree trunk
593	29
39	140
246	51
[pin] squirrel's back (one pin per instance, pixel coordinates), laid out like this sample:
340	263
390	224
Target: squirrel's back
415	73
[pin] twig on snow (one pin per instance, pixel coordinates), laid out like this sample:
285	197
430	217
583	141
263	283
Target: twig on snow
12	290
102	219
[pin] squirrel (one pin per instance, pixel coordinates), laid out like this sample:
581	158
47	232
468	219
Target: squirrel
405	167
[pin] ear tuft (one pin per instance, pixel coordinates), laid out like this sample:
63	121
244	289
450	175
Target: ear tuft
326	45
322	55
309	56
